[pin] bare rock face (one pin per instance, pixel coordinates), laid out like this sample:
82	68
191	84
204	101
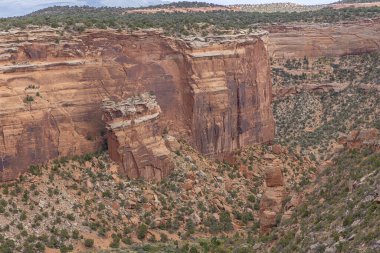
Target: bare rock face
215	93
231	97
317	40
277	149
273	175
133	139
271	202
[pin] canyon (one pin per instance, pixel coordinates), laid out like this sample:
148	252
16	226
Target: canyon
254	138
215	94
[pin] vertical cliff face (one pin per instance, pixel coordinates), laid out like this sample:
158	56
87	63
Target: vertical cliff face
133	137
327	40
216	94
232	94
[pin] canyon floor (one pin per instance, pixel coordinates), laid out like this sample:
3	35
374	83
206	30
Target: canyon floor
82	204
312	187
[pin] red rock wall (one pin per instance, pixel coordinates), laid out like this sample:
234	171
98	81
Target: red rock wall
134	137
271	202
319	40
232	101
72	74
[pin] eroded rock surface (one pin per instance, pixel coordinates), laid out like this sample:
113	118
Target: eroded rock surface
321	40
216	93
271	202
364	138
232	95
133	139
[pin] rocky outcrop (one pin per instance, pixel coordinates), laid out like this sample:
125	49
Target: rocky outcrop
215	93
283	91
231	97
364	138
321	40
271	202
133	139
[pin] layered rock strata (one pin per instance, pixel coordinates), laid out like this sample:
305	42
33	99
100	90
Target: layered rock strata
213	92
323	40
232	94
133	139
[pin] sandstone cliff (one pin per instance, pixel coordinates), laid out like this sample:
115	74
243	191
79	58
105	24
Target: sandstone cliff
323	40
216	93
133	138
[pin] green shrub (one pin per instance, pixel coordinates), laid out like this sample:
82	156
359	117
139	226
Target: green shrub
35	170
142	231
115	242
28	99
89	243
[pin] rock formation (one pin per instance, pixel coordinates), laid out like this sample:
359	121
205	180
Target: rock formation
133	139
364	138
316	40
280	92
231	97
213	92
271	202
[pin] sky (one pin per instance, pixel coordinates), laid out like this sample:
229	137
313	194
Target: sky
10	8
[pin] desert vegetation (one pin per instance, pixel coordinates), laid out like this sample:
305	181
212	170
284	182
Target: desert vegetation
357	69
314	119
81	18
326	195
339	215
82	203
